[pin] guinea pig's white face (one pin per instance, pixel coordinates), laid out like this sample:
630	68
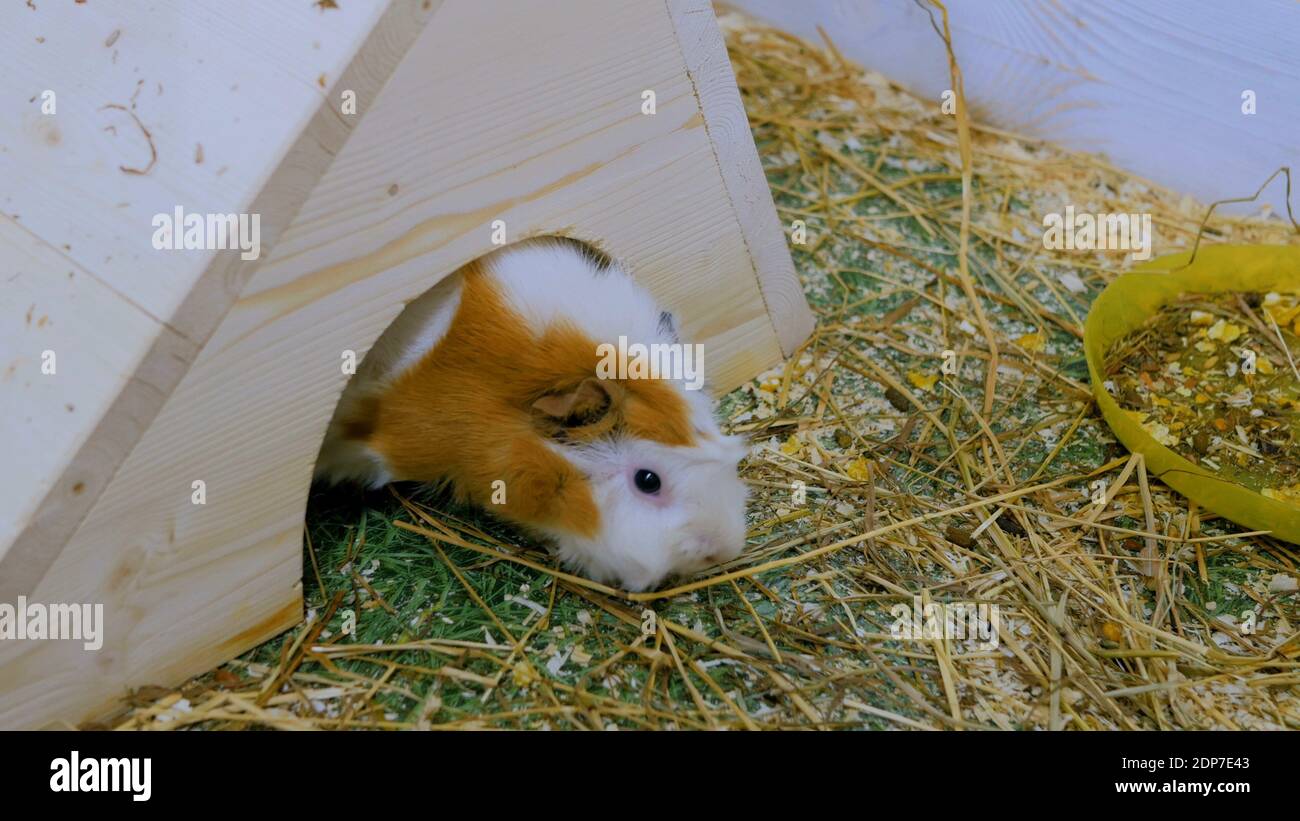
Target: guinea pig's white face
664	511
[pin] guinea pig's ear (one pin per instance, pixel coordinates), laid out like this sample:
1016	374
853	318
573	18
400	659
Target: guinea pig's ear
576	407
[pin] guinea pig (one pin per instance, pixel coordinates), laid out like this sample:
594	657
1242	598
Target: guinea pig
497	383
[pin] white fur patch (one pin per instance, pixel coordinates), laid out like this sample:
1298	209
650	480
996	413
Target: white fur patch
416	331
546	281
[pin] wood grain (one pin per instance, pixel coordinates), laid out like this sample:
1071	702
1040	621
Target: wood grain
269	126
714	84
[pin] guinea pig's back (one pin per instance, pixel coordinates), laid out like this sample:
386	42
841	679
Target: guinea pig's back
549	280
532	287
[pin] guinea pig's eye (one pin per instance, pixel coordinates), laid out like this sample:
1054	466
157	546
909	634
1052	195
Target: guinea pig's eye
647	481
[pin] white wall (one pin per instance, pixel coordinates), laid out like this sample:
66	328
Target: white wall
1154	84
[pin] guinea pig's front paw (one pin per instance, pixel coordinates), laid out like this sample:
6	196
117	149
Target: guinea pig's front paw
545	491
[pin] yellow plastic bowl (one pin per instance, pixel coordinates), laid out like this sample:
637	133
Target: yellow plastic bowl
1128	302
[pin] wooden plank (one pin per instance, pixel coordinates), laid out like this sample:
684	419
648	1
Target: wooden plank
239	78
275	126
69	345
714	84
518	117
67	430
563	116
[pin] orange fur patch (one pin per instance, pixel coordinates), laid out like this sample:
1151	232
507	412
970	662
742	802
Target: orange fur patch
465	413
